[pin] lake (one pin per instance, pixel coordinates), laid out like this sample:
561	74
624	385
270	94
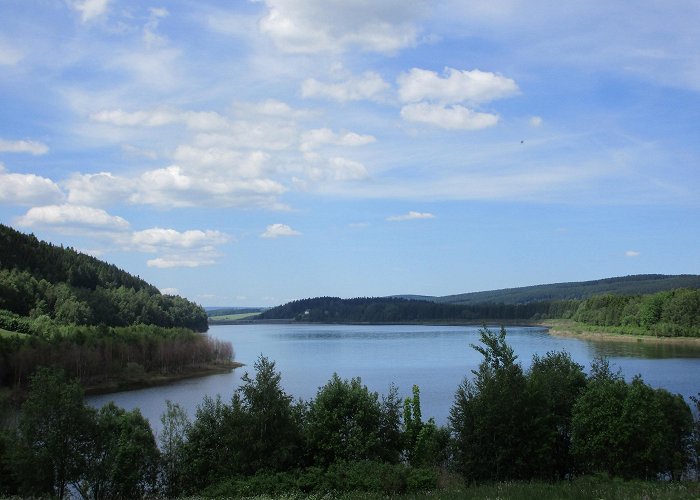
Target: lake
436	358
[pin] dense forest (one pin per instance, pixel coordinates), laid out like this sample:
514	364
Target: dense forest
549	425
640	284
41	279
671	313
67	310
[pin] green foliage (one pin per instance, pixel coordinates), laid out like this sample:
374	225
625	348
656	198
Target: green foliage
259	430
555	382
37	278
122	459
494	417
172	438
343	422
629	430
53	436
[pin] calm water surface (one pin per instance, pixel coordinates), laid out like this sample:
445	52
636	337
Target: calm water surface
436	358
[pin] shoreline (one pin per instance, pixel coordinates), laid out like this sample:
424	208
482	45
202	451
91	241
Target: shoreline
569	330
122	385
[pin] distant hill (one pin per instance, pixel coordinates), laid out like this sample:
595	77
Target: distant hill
640	284
41	279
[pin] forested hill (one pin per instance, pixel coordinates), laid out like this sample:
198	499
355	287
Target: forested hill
640	284
42	279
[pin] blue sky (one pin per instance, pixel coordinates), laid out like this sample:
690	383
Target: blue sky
255	152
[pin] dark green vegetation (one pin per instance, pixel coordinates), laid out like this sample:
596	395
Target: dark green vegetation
550	432
41	279
101	325
672	313
641	284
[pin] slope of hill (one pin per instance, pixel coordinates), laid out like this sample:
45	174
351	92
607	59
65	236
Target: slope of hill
641	284
38	278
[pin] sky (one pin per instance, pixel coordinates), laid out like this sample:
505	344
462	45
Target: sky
248	153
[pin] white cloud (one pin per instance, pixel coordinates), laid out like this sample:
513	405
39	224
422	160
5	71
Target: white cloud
98	189
410	216
312	26
315	138
198	120
448	117
77	217
32	147
193	248
90	9
369	86
632	253
155	239
338	169
274	108
27	189
277	230
175	187
536	121
172	261
454	86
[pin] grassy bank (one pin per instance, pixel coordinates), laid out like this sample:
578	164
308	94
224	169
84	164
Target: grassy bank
570	328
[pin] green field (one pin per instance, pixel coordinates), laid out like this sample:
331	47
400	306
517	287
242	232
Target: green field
232	317
7	333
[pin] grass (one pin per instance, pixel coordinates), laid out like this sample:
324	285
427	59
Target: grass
231	317
579	489
8	333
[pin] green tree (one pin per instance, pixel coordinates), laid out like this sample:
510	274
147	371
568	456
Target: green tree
494	420
343	422
629	430
172	438
122	458
53	435
555	382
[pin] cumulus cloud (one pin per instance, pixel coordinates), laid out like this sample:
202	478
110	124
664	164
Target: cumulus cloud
448	117
198	120
454	86
273	108
175	187
632	253
369	86
535	121
410	216
155	239
277	230
312	26
27	189
315	138
172	261
72	217
90	9
32	147
338	169
192	248
98	189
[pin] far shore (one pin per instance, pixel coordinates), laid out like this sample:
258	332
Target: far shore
559	328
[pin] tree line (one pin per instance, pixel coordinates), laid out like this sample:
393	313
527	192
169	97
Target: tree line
551	422
669	313
95	355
